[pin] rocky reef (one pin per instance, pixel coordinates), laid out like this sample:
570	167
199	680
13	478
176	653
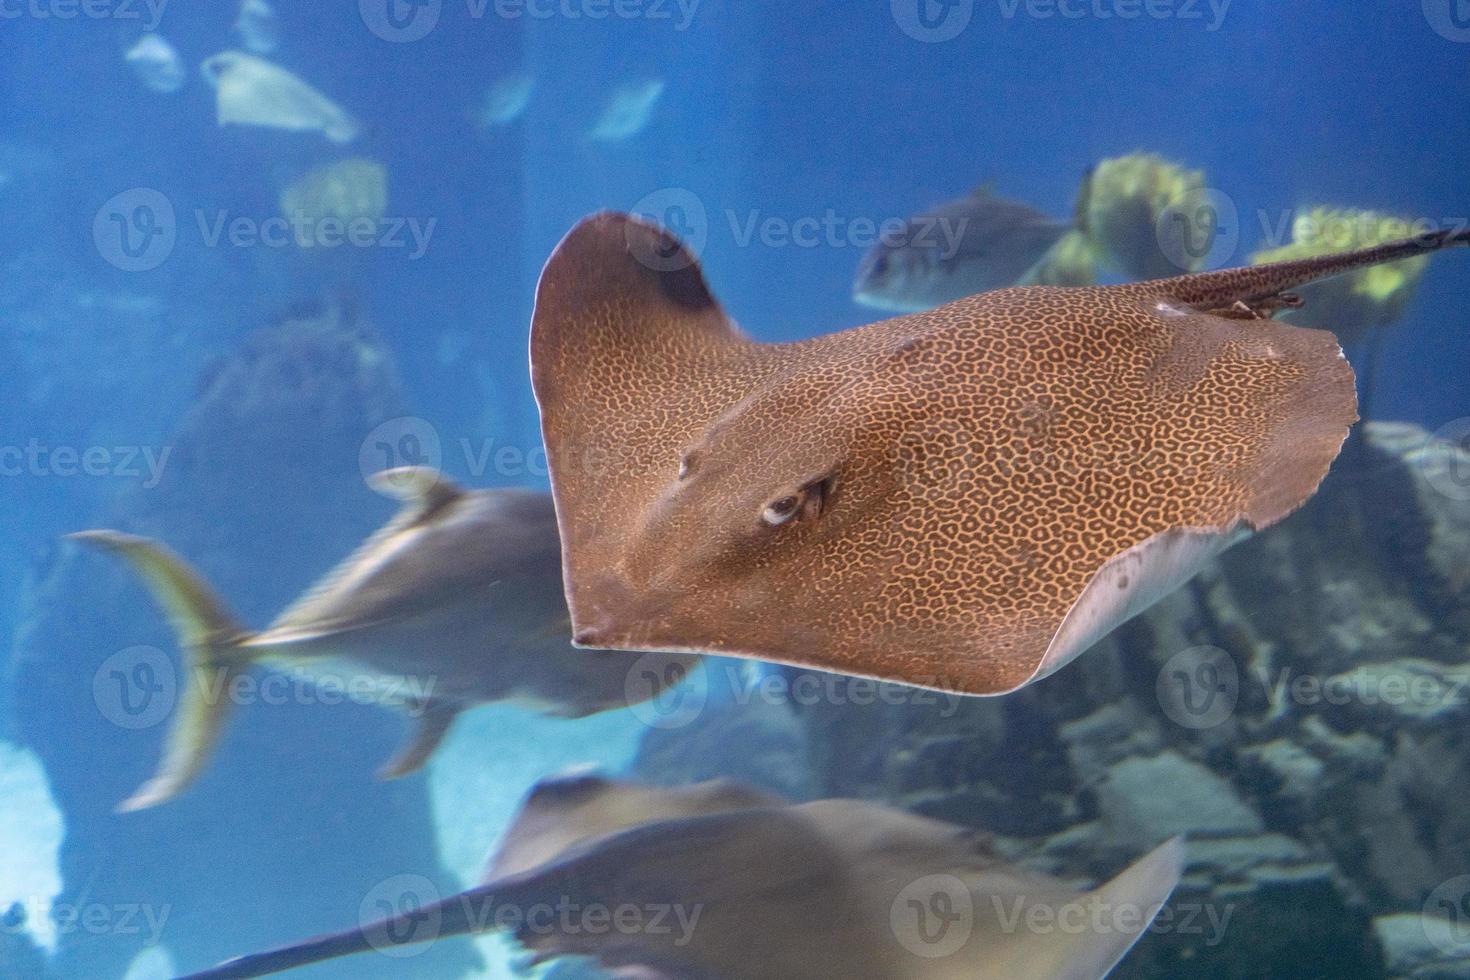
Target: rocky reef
1297	712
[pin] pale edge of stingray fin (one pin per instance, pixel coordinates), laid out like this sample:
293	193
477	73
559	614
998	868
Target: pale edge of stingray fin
432	726
1128	584
1141	889
211	643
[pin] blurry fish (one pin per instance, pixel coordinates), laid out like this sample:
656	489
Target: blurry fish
457	601
258	27
157	64
253	92
968	246
505	101
345	191
749	887
628	111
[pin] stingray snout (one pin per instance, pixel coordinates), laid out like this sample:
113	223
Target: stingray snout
610	613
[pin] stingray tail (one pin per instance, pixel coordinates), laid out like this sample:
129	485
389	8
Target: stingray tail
471	911
1257	284
213	652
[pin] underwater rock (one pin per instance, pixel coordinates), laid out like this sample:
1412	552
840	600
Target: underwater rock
1141	213
1411	954
31	832
153	963
263	485
1169	794
1305	816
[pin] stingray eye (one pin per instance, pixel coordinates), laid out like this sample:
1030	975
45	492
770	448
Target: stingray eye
778	512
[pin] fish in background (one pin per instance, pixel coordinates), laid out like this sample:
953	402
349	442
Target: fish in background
251	91
971	245
258	26
455	602
157	64
628	111
505	101
751	887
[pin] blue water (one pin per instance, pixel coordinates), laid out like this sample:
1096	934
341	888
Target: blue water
782	110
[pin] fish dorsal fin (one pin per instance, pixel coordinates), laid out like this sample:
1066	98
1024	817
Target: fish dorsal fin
423	489
984	189
425	493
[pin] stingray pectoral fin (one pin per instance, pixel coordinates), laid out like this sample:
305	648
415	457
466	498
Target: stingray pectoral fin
1129	584
213	651
432	726
1129	904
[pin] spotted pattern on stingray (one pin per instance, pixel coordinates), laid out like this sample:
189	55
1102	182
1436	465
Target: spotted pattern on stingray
977	465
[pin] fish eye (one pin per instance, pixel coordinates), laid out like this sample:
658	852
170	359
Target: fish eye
778	512
810	502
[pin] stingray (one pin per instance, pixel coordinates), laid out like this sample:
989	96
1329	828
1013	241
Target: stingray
455	602
748	887
251	91
964	499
